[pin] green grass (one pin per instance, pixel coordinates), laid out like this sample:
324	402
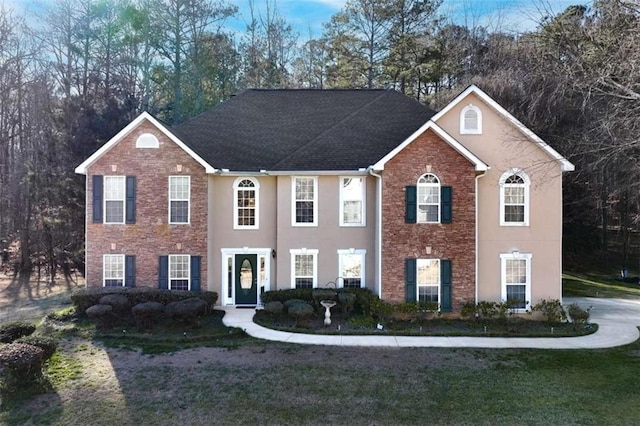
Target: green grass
596	285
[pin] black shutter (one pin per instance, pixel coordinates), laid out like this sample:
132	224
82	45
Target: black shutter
130	207
410	279
411	204
129	271
97	189
445	284
195	273
163	275
446	204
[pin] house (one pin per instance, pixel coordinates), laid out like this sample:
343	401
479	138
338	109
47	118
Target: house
277	189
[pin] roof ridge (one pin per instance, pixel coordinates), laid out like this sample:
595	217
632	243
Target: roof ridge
312	141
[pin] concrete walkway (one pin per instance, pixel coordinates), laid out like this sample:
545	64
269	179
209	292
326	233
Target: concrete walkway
617	319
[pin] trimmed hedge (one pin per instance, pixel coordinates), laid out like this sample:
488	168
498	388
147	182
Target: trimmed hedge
21	363
46	343
363	303
13	330
84	298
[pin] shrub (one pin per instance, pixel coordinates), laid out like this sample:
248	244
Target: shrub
469	309
274	307
365	300
381	310
290	302
21	362
578	315
304	294
188	310
347	301
320	294
146	314
103	314
301	311
84	298
551	310
13	330
46	343
119	303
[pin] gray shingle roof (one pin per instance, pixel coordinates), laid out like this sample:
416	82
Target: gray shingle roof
298	130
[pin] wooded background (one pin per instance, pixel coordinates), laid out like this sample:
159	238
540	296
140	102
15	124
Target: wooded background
74	76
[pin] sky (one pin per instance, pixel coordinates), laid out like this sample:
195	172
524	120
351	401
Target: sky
307	16
509	15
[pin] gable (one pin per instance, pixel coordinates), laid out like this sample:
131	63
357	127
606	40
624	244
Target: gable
146	142
449	118
446	138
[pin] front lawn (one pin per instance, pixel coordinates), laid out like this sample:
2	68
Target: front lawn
597	285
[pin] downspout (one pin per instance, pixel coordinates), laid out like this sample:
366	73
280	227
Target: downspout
477	228
378	231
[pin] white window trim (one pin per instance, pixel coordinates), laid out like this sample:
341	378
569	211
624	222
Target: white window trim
256	190
104	269
429	285
351	252
304	251
171	199
463	129
123	200
188	270
363	199
418	203
502	185
503	276
147	140
315	201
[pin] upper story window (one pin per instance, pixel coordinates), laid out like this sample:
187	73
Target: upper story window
352	201
114	198
514	198
428	199
305	201
471	120
147	140
246	195
179	196
304	268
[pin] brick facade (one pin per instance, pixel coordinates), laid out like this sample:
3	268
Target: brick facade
151	236
454	241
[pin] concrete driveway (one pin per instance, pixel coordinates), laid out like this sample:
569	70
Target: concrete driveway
617	319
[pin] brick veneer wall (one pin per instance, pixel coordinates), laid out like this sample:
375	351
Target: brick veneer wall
151	236
454	241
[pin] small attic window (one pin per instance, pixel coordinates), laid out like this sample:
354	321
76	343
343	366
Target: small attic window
471	120
147	140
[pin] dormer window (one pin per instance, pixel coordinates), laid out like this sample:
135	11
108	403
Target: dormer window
471	120
147	140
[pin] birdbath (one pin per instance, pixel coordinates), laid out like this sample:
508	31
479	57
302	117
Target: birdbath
328	304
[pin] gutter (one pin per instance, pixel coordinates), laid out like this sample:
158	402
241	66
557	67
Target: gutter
378	231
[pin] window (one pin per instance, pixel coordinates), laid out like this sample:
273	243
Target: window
351	268
147	140
352	204
516	279
304	268
471	120
428	280
114	196
246	203
179	193
113	270
179	271
305	205
514	198
428	199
